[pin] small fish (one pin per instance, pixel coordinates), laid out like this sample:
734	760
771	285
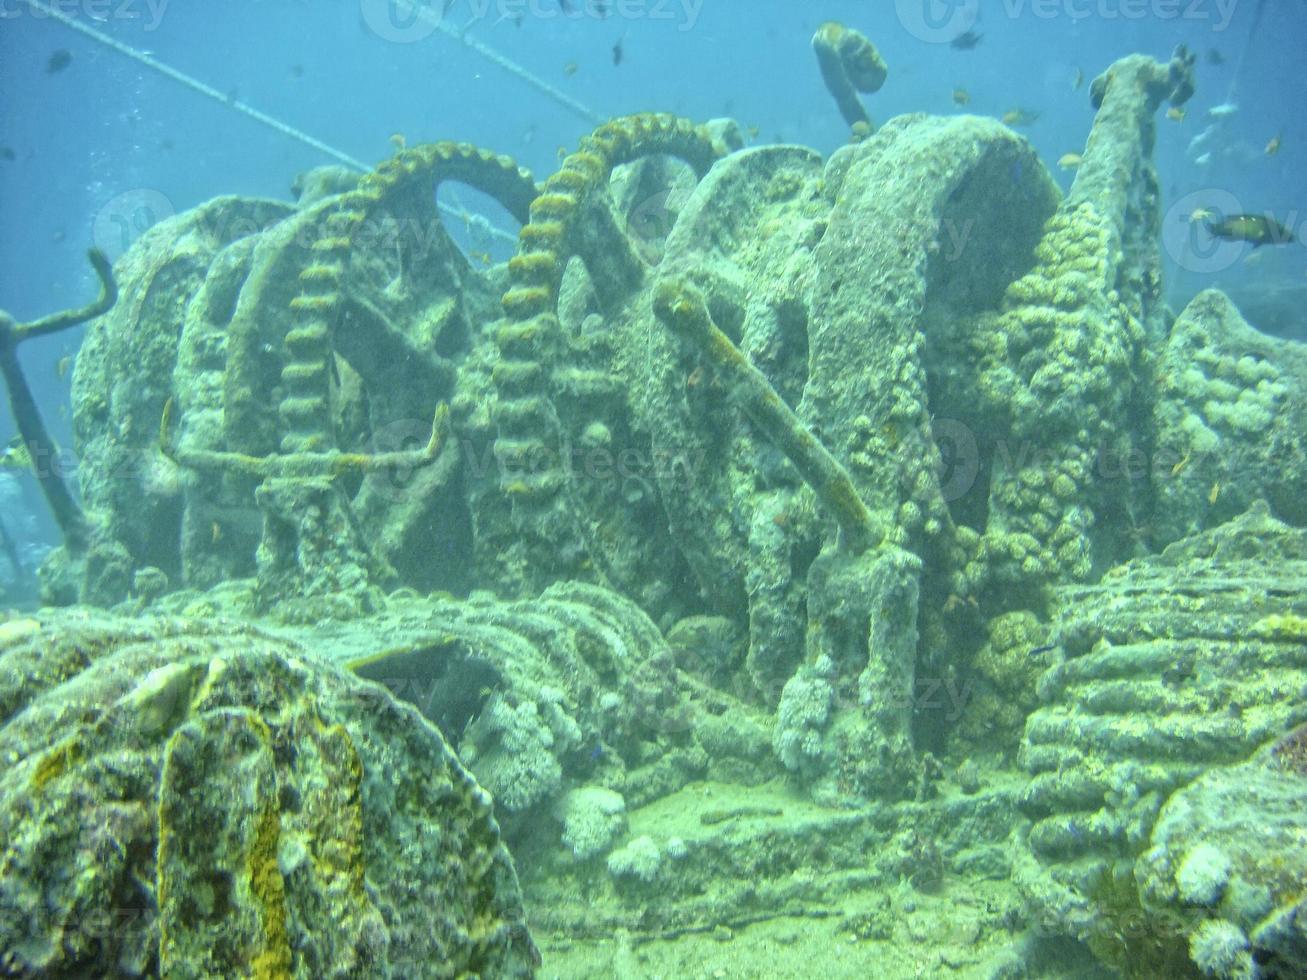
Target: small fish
1256	229
1214	493
399	142
753	133
1078	82
1273	147
570	68
215	532
961	97
484	258
15	455
1178	468
966	41
1020	117
1200	214
566	6
619	52
1070	161
601	8
1224	110
1214	57
1203	160
1047	647
297	71
58	61
563	153
63	366
7	153
1175	113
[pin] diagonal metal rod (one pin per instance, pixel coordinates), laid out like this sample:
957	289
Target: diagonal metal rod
36	437
10	549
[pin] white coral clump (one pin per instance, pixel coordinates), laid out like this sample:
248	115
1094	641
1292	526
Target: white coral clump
592	817
511	752
802	715
1203	875
640	859
1220	949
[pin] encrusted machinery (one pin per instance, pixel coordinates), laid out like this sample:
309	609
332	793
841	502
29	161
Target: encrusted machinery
314	343
1173	667
198	798
545	379
586	440
36	440
1067	361
849	64
1230	423
754	464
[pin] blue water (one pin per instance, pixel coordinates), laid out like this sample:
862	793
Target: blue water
110	138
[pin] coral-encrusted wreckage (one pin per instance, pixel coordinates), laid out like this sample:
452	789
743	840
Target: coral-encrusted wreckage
769	533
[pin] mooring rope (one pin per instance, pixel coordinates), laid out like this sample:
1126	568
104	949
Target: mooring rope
429	15
1243	52
195	85
272	122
